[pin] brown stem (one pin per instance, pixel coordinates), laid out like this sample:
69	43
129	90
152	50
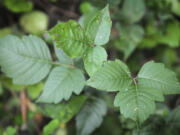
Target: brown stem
23	105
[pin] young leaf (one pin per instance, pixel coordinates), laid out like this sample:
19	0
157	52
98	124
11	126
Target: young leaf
137	101
99	28
64	112
113	76
61	83
91	116
27	61
94	59
71	38
133	10
51	126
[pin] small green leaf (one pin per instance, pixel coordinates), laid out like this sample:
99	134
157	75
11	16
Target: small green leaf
94	59
113	76
99	28
9	131
133	10
27	61
51	126
171	37
34	90
91	116
64	112
61	83
71	38
19	5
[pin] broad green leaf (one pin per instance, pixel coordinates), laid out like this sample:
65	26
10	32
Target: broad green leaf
137	101
113	76
71	38
19	5
9	131
61	83
155	75
133	10
27	61
99	28
94	59
130	37
91	116
34	90
51	126
62	57
172	35
64	111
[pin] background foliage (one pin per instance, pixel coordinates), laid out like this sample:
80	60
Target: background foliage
142	30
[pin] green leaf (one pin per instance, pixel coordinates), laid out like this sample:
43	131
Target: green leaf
133	10
71	38
94	59
34	90
155	75
136	100
172	35
9	131
61	83
19	5
62	57
27	61
91	116
130	37
113	76
99	28
64	112
51	126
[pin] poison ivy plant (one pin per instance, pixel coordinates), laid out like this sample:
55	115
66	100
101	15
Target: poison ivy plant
136	100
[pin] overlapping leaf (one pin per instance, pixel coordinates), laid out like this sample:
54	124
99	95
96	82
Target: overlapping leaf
136	101
94	59
61	83
91	116
27	61
113	76
99	28
71	38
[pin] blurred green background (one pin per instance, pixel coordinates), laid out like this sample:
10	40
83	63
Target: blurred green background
142	30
